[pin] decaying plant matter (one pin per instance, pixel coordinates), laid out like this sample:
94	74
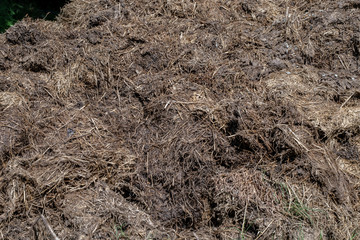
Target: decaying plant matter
182	120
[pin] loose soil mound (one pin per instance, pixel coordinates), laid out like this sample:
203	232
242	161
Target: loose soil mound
182	120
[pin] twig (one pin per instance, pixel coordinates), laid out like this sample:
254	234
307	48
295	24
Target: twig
196	236
49	228
342	62
297	140
348	99
287	15
264	230
243	223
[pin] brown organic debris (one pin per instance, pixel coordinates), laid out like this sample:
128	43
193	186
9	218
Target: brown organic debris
182	120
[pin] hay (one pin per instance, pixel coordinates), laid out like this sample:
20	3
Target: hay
181	120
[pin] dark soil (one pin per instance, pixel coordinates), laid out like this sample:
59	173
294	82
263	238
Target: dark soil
182	120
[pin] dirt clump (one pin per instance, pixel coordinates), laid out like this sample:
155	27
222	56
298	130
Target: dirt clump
182	120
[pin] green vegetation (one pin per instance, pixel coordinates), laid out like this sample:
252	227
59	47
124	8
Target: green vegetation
13	10
119	232
354	235
294	206
7	13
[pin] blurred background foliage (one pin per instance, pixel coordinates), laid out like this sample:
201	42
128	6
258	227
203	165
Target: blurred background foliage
13	10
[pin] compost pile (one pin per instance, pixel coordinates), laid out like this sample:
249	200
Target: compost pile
182	119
